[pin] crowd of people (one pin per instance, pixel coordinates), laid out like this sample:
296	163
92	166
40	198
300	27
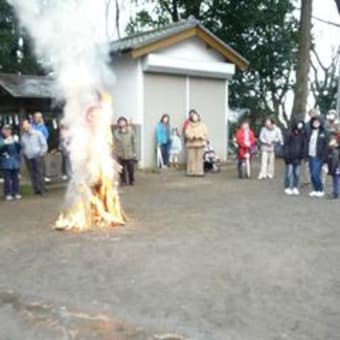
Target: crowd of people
32	148
314	145
199	152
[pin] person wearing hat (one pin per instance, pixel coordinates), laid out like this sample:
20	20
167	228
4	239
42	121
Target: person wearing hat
125	149
10	163
332	125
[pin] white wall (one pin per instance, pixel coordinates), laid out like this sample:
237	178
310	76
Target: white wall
192	49
207	96
125	92
164	93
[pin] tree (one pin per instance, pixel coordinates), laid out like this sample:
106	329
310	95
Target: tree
303	61
325	82
16	55
263	31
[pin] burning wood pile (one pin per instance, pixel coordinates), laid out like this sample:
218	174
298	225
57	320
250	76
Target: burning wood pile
93	200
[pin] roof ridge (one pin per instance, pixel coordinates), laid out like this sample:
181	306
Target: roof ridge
23	75
191	19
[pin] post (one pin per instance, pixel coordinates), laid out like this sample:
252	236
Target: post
338	95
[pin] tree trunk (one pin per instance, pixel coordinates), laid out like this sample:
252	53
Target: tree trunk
303	62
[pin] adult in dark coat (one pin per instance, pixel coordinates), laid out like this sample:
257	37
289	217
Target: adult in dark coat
293	153
333	163
316	151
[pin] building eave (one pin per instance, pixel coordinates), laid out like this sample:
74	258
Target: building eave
139	46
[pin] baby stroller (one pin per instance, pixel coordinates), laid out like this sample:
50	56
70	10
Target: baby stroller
211	161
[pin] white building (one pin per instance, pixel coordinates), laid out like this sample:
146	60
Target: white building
171	70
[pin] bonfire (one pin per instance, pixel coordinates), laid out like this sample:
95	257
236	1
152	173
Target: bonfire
92	199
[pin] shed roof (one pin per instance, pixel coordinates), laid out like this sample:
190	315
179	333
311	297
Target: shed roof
27	86
145	42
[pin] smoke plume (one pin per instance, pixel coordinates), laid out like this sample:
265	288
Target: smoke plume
67	40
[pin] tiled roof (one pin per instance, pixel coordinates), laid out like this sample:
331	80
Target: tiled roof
148	37
27	86
145	38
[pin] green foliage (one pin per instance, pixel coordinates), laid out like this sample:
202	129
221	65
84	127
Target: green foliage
263	31
16	54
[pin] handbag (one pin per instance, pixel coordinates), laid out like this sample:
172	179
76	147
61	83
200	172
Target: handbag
253	149
278	150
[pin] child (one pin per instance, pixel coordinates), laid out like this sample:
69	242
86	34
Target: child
293	154
246	143
333	163
175	148
10	163
211	161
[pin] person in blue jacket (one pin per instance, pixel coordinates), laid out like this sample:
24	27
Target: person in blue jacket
163	139
10	163
39	125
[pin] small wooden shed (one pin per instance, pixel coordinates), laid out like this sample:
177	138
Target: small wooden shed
171	70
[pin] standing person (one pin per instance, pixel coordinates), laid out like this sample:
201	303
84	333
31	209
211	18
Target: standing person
332	127
196	137
34	148
163	139
175	148
125	145
317	143
10	163
310	115
270	135
293	154
211	160
64	143
333	162
1	174
39	125
246	144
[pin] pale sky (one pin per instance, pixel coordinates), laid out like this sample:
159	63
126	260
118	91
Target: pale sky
327	37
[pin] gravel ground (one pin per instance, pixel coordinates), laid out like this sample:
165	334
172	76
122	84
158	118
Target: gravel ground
209	258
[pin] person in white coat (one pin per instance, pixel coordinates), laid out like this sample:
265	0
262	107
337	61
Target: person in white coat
270	135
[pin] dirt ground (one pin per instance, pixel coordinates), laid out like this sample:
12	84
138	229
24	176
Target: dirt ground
207	259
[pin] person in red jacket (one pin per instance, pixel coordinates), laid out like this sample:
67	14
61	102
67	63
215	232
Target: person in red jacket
246	143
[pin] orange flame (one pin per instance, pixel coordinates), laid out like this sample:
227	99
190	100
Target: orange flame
96	205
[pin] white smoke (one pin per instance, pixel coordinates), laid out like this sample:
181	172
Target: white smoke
67	36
